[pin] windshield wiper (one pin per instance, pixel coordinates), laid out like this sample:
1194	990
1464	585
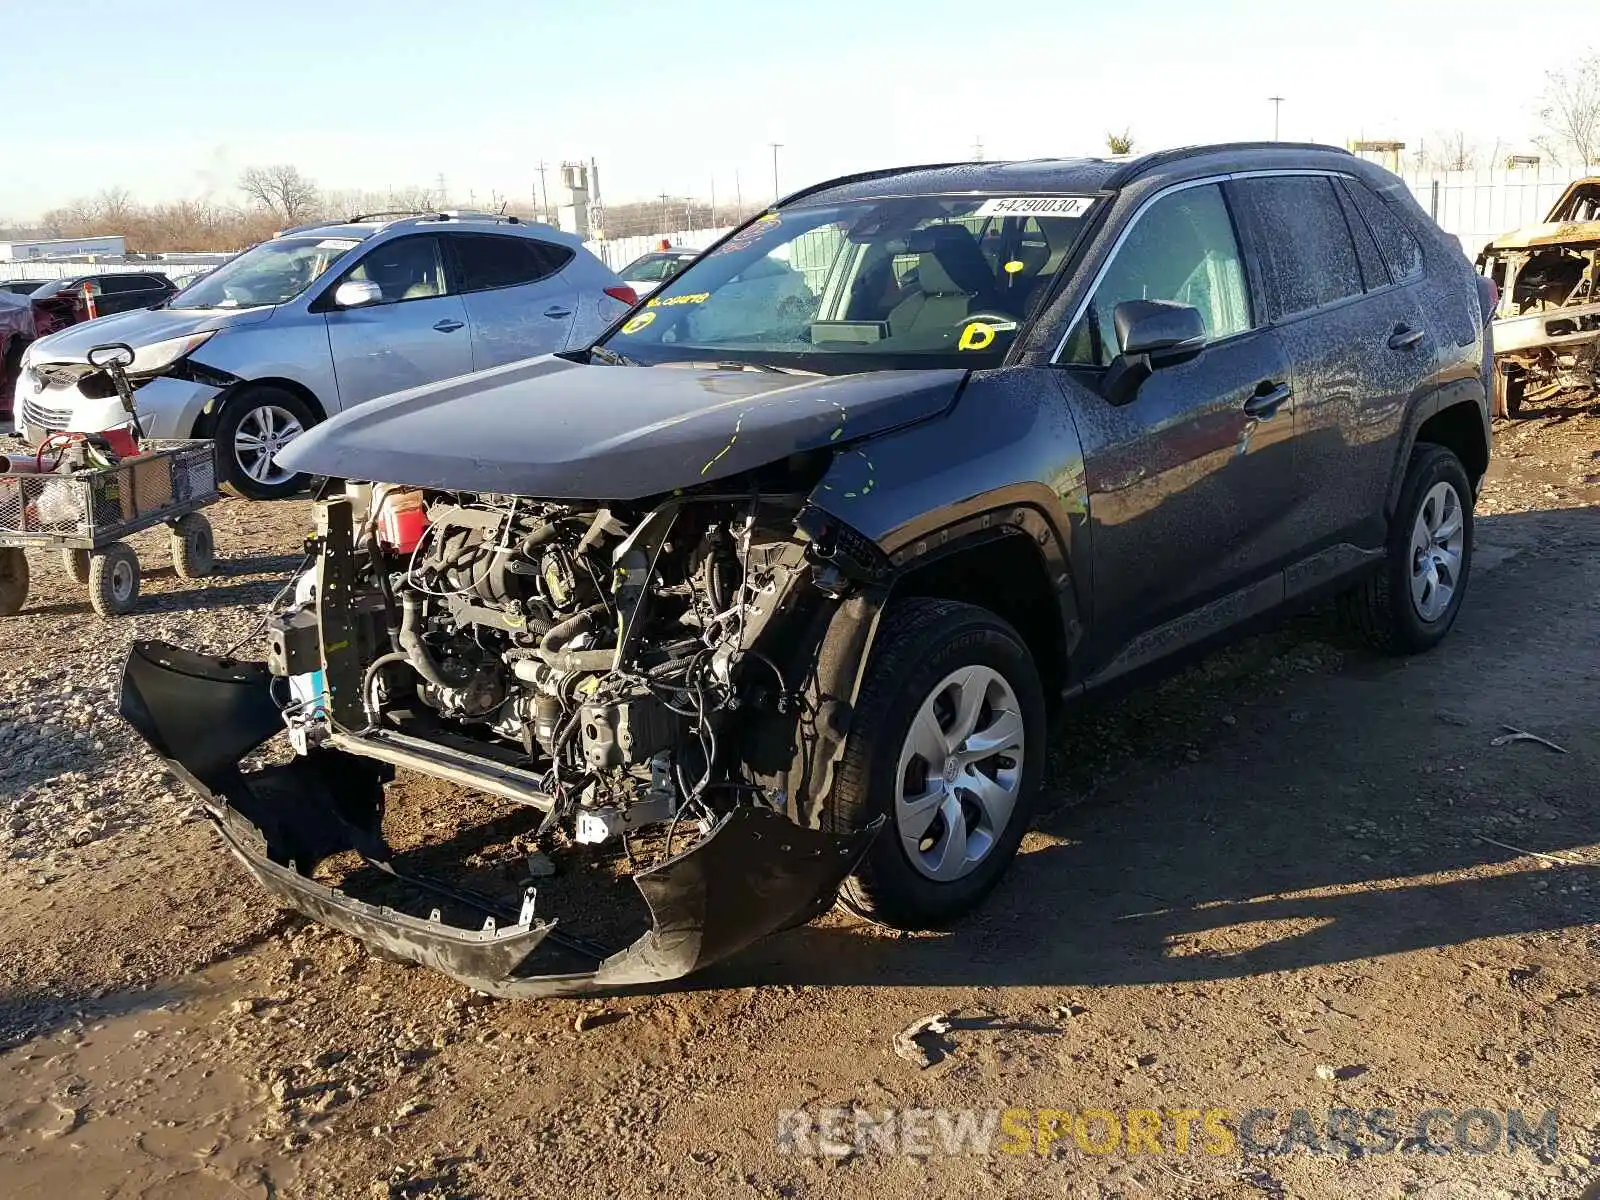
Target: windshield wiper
610	357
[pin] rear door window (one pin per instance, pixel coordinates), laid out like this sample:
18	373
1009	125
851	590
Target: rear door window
1400	247
1307	254
488	261
1182	249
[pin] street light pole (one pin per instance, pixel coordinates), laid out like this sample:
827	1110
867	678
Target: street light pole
1277	102
776	146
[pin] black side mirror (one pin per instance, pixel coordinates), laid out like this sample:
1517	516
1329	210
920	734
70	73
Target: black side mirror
1151	334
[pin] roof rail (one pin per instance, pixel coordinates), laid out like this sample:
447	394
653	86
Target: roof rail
863	177
362	218
1157	158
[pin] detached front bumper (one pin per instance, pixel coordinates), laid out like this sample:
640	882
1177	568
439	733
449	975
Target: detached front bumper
755	872
168	408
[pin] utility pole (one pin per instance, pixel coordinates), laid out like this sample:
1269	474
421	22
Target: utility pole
738	197
544	196
713	202
776	146
443	197
1277	103
977	150
666	216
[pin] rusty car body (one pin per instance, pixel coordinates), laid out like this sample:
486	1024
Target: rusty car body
1547	325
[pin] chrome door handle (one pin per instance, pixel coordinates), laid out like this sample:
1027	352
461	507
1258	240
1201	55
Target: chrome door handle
447	325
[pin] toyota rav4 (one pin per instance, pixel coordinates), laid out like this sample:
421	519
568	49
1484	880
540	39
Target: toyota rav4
777	585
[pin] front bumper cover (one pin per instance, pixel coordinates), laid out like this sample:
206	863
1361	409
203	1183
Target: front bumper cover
756	871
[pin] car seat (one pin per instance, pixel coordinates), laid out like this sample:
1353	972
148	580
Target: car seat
953	279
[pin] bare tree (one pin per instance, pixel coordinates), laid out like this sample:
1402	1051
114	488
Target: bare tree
1570	109
282	190
1456	153
1120	143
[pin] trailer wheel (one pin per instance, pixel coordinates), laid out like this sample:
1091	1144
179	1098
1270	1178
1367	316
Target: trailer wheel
76	564
114	580
1510	386
13	581
194	554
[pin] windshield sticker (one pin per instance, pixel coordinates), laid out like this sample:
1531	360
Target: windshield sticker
976	336
639	322
980	335
691	298
750	233
1034	206
338	244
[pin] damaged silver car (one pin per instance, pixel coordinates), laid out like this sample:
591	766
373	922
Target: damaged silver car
1547	325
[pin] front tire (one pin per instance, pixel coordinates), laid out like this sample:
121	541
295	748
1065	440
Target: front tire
1410	603
114	580
252	427
948	743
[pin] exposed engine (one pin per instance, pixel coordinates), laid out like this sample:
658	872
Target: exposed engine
599	650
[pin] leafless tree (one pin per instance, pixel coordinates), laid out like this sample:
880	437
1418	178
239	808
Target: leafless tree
281	189
1569	107
1120	143
1450	151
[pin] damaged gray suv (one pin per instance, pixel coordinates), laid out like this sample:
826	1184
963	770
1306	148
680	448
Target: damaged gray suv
776	586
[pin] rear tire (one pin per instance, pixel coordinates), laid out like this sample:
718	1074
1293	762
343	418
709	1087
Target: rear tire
76	564
948	743
13	580
114	580
193	548
1409	604
258	421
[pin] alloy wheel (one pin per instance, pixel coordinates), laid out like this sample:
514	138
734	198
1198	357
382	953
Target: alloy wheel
263	432
1438	539
960	773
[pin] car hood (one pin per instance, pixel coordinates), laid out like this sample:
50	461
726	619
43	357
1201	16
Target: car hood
142	327
558	430
1553	233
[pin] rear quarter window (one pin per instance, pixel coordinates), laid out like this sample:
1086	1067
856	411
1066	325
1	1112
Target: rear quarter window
489	261
1399	245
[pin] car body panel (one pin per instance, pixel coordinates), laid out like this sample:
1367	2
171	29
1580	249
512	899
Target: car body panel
510	324
388	348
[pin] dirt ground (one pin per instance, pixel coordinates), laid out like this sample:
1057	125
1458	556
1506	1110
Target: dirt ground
1297	876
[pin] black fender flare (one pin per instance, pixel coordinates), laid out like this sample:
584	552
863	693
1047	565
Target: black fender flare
849	632
1457	393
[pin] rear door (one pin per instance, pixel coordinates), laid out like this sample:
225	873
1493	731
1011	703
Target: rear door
1357	342
1189	482
416	334
517	299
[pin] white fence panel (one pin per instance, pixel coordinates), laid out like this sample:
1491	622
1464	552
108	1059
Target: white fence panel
1479	206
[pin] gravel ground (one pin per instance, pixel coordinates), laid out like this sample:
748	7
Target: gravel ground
1263	884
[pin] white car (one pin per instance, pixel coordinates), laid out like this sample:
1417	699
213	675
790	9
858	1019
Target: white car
648	272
